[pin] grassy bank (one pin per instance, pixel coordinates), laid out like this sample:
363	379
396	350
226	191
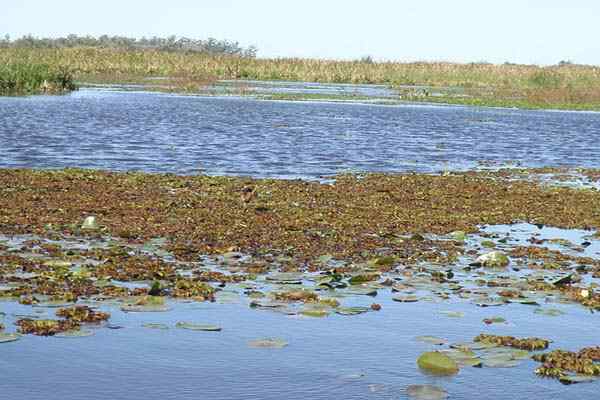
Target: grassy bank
29	78
561	86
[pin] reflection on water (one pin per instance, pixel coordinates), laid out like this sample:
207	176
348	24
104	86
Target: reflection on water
240	136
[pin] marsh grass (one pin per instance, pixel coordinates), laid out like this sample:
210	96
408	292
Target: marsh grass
28	78
561	86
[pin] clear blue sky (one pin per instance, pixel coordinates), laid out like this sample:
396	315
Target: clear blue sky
524	31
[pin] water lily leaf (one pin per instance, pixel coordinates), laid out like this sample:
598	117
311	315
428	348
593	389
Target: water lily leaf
9	337
155	326
525	301
352	310
499	362
315	313
285	278
572	379
489	303
453	314
459	236
145	308
362	291
198	327
494	259
406	299
58	263
426	392
437	363
550	312
494	320
431	340
74	334
268	343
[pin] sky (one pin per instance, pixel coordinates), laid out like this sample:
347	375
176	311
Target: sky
521	31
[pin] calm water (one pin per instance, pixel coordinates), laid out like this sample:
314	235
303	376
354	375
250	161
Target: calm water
370	356
236	136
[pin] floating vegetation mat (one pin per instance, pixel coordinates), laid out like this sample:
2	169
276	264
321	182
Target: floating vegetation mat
78	243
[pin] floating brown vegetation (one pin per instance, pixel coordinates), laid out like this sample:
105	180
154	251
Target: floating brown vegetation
82	314
530	344
199	291
558	363
349	219
45	327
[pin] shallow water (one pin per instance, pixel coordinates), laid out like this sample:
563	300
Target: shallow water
243	136
367	356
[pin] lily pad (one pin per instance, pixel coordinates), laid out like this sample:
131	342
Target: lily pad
155	326
352	310
406	299
145	308
426	392
453	314
268	343
198	327
74	334
494	259
315	313
437	363
550	312
288	278
431	340
572	379
9	337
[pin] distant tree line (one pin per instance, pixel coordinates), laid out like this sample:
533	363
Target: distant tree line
171	43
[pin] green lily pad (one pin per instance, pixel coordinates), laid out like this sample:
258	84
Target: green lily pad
74	334
9	337
426	392
453	314
494	320
437	363
268	343
315	313
288	278
489	244
362	291
499	362
550	312
572	379
155	326
494	259
198	327
431	340
352	310
459	236
145	308
406	299
58	263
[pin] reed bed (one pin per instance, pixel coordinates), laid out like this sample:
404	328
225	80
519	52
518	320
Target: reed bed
28	78
554	85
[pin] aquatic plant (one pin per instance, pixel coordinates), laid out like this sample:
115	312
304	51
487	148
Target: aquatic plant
82	314
45	327
530	344
558	363
30	78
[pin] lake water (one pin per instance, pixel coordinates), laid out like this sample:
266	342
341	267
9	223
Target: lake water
241	136
368	356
